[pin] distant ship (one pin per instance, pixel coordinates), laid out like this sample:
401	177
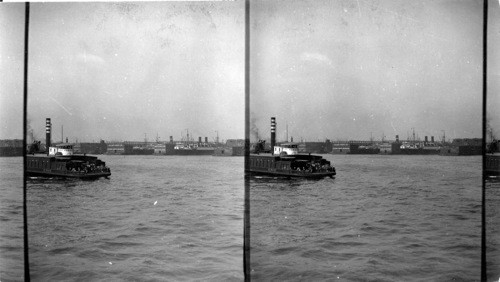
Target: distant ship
185	149
60	161
286	161
414	147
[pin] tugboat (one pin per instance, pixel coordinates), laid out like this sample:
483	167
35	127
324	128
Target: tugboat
60	161
286	161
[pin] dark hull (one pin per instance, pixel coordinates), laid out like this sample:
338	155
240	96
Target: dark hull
492	167
286	166
74	166
312	175
63	174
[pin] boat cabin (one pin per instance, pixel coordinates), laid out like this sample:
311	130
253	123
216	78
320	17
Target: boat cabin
286	149
61	150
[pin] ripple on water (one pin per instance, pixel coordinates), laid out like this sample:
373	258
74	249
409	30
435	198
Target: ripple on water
392	217
157	217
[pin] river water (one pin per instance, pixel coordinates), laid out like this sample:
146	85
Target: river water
383	218
155	218
492	202
11	219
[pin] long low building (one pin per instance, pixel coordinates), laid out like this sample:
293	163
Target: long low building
91	148
233	147
11	148
463	147
115	149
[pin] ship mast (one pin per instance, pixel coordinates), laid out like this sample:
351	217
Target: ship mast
286	122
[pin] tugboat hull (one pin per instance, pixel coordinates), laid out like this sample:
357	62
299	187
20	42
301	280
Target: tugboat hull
74	166
294	175
492	165
67	175
296	166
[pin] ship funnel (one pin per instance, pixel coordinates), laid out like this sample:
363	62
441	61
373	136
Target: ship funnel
273	133
206	139
432	139
291	139
426	140
397	138
199	139
171	139
47	133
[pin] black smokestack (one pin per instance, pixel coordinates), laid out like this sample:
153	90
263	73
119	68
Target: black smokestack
206	139
432	139
199	139
47	133
426	140
273	133
397	138
171	139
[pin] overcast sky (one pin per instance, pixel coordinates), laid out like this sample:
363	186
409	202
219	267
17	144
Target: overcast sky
118	71
493	83
352	69
329	69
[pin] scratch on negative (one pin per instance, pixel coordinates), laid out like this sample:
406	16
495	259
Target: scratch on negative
61	106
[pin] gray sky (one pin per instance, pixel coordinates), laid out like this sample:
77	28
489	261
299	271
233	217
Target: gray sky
493	83
344	69
330	69
11	70
119	70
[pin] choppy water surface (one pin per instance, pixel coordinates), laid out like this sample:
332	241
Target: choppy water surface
384	218
492	200
11	219
156	218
